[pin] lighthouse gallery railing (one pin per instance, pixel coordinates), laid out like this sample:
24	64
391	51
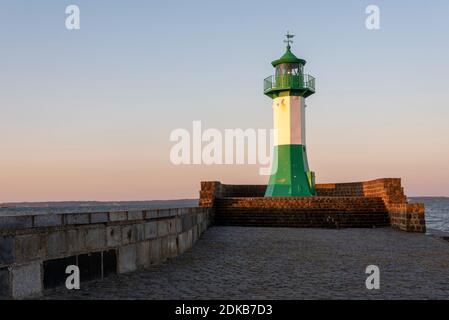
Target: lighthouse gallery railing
286	81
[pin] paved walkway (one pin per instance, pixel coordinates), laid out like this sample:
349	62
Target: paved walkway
275	263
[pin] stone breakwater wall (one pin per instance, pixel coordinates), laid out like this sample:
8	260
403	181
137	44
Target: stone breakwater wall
35	250
331	207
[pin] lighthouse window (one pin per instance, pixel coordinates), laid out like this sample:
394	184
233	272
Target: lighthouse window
288	69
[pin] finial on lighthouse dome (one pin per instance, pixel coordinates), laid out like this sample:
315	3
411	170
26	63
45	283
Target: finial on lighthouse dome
288	56
288	39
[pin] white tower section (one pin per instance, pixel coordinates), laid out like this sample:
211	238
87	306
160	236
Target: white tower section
289	120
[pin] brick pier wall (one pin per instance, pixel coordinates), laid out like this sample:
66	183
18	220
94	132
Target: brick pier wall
403	216
36	249
333	203
324	212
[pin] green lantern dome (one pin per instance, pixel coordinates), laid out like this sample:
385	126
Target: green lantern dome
289	78
288	57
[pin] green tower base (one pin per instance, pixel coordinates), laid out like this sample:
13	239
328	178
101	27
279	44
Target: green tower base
291	176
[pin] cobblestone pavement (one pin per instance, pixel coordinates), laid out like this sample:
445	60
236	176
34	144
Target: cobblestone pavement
275	263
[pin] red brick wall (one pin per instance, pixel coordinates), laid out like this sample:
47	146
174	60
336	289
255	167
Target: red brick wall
209	191
390	190
322	212
346	204
403	216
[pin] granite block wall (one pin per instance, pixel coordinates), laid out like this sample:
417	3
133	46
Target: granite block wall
35	250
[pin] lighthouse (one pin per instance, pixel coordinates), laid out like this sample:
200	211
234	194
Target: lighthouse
289	87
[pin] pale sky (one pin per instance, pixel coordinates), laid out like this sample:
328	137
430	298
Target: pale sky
87	114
